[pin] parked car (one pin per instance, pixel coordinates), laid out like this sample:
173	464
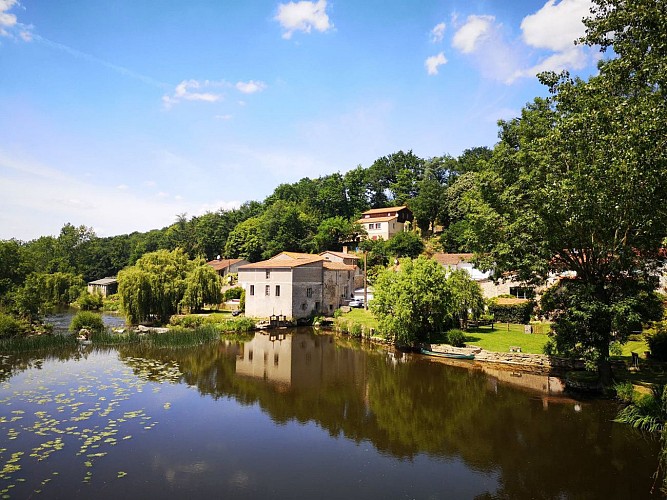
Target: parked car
356	303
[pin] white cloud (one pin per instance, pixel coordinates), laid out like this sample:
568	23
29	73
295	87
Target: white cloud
188	90
122	187
223	117
303	16
574	58
476	29
433	62
556	25
438	33
250	87
7	20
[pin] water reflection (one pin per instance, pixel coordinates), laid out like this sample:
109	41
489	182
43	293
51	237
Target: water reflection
394	425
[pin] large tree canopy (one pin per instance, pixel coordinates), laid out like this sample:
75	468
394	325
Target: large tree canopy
413	302
579	183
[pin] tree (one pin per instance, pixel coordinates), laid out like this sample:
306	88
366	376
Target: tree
154	286
394	178
203	286
428	205
466	296
405	244
579	183
332	233
413	302
244	241
284	227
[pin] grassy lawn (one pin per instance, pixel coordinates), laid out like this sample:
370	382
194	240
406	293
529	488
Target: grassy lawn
500	339
362	317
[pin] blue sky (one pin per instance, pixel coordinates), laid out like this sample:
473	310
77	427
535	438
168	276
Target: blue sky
121	115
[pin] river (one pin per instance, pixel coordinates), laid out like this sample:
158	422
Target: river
300	415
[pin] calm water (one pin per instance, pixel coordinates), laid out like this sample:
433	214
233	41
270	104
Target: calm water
300	416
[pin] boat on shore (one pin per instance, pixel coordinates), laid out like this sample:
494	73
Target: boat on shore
450	355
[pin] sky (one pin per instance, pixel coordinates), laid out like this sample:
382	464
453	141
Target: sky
122	115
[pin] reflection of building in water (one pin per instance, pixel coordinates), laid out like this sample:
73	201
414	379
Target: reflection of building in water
299	360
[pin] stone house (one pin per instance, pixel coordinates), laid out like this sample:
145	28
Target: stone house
295	285
508	286
103	287
383	223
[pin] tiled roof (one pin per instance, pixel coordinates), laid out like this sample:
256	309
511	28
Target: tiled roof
274	263
218	265
338	266
452	259
293	255
377	219
342	255
382	210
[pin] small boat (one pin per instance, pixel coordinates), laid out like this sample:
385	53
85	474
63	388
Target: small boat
451	355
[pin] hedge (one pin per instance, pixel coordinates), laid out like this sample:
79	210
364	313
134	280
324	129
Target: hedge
512	313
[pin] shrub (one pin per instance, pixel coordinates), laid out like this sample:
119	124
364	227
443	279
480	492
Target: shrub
111	303
356	330
232	293
89	301
656	339
456	338
187	321
88	320
625	391
511	313
10	327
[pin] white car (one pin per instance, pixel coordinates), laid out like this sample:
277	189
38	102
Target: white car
356	303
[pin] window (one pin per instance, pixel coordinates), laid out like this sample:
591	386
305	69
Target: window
317	306
277	290
252	289
268	275
309	292
521	292
267	290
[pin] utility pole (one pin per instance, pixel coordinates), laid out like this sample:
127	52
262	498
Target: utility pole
365	283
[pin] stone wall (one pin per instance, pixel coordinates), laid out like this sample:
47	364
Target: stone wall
518	360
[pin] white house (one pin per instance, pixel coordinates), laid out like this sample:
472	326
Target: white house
296	285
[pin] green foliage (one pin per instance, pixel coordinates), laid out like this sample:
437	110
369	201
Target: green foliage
456	338
86	319
656	339
111	303
648	412
405	244
467	298
242	301
413	302
11	327
585	315
187	321
154	286
89	301
202	286
332	233
511	313
232	293
625	391
244	241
